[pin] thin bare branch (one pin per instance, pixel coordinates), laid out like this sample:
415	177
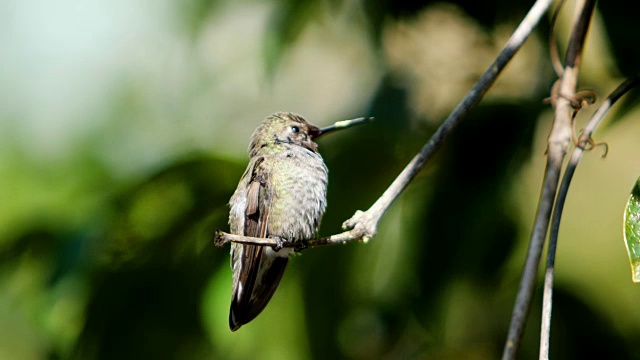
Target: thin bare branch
362	226
220	238
558	144
576	155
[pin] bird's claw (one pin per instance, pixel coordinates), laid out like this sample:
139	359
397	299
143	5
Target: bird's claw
280	243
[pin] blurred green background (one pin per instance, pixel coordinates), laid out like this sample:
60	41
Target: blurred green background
123	133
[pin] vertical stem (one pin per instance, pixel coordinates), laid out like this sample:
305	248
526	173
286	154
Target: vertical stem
530	271
585	138
559	141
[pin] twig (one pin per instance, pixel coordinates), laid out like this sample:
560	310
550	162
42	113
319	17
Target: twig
220	238
558	144
362	226
576	155
365	223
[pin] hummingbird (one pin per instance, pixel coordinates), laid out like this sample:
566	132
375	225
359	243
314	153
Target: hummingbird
281	195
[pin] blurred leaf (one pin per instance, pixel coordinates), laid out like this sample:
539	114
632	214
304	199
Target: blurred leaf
632	231
157	260
487	13
195	14
156	218
287	23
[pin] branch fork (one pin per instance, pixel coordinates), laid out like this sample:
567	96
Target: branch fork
360	227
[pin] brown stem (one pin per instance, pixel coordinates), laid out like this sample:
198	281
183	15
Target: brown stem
559	141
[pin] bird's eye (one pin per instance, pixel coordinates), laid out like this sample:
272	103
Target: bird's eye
295	129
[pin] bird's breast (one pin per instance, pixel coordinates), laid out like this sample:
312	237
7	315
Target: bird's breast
299	189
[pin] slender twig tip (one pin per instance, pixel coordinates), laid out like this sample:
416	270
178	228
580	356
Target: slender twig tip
217	239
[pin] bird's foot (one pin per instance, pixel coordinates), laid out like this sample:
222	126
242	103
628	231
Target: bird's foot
280	243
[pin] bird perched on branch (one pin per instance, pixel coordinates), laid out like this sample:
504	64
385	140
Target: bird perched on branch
282	196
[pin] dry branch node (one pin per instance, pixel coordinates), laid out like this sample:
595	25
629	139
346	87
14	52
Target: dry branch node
362	225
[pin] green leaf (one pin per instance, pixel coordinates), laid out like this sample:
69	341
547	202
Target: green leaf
632	231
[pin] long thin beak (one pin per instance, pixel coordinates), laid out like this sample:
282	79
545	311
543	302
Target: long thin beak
340	125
